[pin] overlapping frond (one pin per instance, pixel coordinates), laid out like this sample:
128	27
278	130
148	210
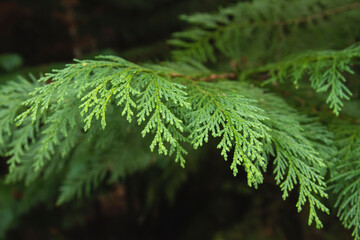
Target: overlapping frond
346	176
98	159
14	141
80	180
264	30
249	130
235	120
325	70
297	162
97	83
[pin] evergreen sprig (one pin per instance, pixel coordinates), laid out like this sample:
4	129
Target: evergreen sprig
243	30
98	82
14	141
235	120
84	90
325	70
296	159
345	182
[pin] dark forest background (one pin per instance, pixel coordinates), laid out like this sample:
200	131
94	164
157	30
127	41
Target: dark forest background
203	202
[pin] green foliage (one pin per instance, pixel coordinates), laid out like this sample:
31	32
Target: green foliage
297	161
12	94
95	83
79	93
346	175
324	69
233	118
263	31
82	124
10	62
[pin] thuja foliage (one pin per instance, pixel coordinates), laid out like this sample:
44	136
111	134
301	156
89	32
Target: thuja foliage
236	76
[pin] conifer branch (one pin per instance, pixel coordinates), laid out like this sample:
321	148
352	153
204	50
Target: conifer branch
324	69
232	30
345	182
296	159
235	120
15	141
98	82
312	17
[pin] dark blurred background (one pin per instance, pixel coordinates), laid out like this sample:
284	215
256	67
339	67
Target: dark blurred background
44	31
202	202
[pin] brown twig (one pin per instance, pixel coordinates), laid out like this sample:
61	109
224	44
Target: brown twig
209	78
